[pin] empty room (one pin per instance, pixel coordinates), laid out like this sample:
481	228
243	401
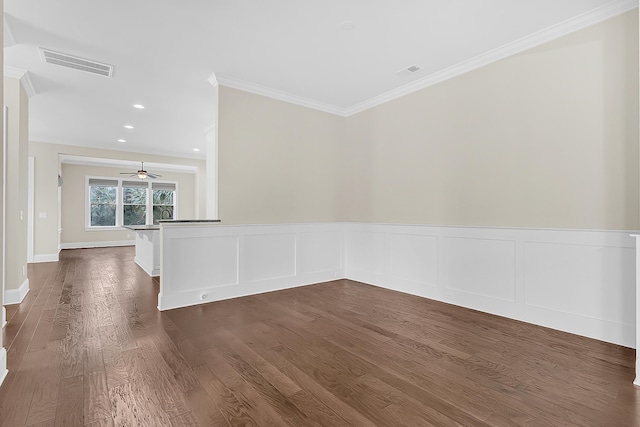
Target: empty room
320	213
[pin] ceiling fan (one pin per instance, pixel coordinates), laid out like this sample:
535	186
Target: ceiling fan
142	174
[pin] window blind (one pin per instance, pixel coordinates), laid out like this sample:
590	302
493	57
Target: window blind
93	182
163	186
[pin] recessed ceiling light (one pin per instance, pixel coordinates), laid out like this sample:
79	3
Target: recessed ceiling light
128	127
138	106
122	140
196	149
347	25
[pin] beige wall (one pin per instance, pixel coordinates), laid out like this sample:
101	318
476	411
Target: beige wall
2	255
547	138
17	102
74	200
47	165
278	162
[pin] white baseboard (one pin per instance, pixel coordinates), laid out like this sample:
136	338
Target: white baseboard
153	272
104	244
16	296
4	316
3	364
46	258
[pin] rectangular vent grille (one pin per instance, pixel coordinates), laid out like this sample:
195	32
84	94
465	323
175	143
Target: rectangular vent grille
408	70
64	60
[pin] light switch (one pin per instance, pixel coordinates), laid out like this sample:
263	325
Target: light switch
42	215
21	215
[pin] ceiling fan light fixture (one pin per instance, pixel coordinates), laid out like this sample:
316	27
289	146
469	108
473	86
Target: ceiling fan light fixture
142	174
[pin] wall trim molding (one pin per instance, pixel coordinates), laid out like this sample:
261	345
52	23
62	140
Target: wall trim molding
577	281
16	296
23	76
4	317
3	364
595	16
257	89
548	34
45	258
205	263
104	244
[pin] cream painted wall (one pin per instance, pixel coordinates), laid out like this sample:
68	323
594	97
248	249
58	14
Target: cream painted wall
74	199
547	138
46	186
2	255
278	162
17	103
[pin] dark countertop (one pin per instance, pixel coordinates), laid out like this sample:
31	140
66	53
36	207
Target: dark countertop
142	227
187	221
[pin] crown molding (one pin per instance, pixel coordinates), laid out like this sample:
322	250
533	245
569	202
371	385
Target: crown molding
213	81
7	35
594	16
277	94
23	76
548	34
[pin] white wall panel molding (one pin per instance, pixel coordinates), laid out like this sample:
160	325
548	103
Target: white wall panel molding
16	296
204	263
3	364
577	281
573	280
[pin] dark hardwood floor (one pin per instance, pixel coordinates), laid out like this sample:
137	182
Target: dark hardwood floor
88	347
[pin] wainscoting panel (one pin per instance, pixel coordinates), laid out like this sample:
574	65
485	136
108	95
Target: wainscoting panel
367	252
483	267
549	267
268	256
577	281
319	251
190	254
414	258
204	263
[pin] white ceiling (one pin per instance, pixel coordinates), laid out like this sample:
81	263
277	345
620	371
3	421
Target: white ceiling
163	53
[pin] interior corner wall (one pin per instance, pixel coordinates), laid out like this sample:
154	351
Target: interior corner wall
17	153
279	162
546	139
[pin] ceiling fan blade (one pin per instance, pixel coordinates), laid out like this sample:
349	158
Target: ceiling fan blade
153	175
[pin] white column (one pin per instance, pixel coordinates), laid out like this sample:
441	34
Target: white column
212	159
637	237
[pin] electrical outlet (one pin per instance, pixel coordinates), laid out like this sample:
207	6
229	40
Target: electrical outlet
24	270
21	215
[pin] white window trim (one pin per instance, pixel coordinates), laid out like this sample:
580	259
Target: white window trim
119	203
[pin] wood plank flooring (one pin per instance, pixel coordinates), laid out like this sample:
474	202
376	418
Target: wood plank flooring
88	347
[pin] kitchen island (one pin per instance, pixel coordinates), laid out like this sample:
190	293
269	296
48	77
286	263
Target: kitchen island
147	247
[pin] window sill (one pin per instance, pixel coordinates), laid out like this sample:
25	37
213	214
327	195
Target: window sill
105	228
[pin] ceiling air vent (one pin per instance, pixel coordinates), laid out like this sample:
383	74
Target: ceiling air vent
408	70
57	58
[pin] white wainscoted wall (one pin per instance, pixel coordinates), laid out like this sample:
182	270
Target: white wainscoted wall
203	263
577	281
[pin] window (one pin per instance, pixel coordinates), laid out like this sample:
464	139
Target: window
134	202
119	202
103	202
162	201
